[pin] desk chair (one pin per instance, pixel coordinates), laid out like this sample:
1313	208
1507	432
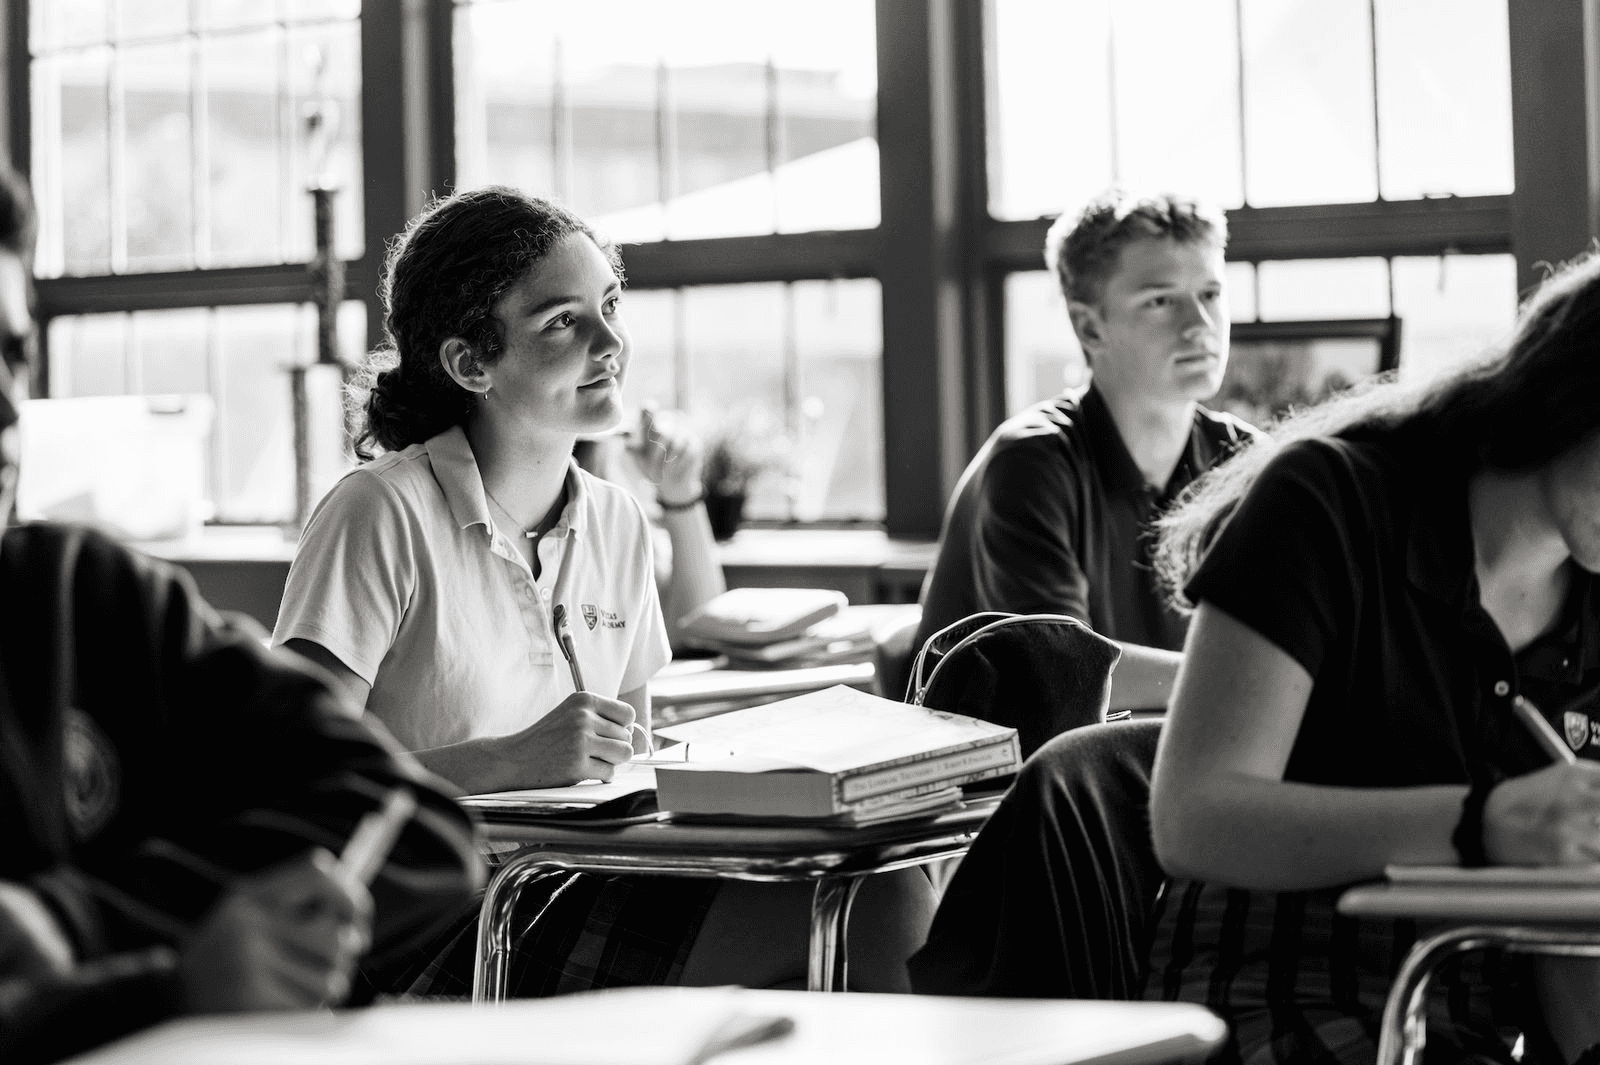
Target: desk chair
1558	921
1054	897
893	649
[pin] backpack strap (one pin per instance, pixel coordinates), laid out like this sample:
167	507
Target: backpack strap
941	643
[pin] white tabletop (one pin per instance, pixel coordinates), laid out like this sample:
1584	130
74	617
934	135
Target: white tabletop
667	1026
1476	902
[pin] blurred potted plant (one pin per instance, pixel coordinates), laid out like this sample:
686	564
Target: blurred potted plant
737	452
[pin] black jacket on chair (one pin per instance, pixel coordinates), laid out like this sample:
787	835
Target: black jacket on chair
1041	674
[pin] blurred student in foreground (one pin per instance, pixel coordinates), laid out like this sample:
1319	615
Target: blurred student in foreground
170	792
1053	514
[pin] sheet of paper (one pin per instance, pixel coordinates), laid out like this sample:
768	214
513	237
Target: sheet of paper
629	778
832	730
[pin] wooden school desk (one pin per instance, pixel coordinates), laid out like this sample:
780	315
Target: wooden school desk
671	1026
834	858
1478	913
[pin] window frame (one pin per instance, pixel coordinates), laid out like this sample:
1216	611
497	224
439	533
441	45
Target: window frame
938	254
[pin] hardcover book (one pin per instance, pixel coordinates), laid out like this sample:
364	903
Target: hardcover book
832	753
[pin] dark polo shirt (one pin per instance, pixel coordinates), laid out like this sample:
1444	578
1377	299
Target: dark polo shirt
1356	559
1050	517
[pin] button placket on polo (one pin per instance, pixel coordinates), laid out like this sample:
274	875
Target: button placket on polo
552	548
536	622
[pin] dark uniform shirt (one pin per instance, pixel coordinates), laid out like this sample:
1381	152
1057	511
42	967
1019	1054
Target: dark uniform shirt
1356	559
1051	517
149	752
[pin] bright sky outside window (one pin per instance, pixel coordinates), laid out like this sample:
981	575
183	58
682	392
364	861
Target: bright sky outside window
1266	102
702	118
161	143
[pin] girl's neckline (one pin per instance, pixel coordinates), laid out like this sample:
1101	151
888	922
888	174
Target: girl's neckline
548	522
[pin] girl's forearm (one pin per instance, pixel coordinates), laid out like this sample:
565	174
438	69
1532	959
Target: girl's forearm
696	571
470	765
1279	836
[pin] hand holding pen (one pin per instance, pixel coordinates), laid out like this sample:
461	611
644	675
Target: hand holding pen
1550	816
564	641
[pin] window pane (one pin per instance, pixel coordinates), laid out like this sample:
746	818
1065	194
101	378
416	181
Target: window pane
1242	292
652	320
738	384
1045	156
654	128
1308	102
838	326
827	87
244	115
312	10
89	356
232	14
1084	93
56	24
151	18
1266	378
72	163
1452	308
1323	288
1042	354
171	351
504	126
187	146
325	64
793	371
237	355
254	448
158	160
1159	143
1444	96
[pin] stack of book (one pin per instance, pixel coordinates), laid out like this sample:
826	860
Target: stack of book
839	755
760	628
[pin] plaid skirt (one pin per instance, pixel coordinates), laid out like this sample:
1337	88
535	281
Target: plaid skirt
1301	984
570	932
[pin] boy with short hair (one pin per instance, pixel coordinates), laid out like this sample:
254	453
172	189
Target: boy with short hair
1053	514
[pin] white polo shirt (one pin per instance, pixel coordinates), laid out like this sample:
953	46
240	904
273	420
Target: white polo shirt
402	575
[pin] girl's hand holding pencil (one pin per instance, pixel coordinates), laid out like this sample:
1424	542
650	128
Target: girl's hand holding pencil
1547	817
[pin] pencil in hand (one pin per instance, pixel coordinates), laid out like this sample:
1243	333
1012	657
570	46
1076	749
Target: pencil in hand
564	641
1535	723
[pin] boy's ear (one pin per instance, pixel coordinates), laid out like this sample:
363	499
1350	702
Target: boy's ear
1089	327
463	365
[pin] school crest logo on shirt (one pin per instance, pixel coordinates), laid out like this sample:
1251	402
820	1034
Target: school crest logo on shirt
1576	726
606	619
91	775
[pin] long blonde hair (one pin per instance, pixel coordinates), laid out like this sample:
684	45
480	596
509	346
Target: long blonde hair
1517	407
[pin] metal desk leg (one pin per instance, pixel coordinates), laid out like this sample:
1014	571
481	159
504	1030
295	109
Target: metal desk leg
1405	1024
829	962
491	967
1404	1032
